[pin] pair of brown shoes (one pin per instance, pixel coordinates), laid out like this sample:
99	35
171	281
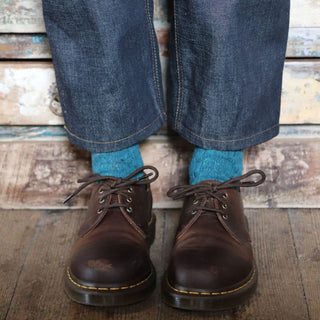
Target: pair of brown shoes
211	265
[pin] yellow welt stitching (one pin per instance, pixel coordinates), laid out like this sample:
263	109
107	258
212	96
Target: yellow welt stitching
150	221
213	293
107	289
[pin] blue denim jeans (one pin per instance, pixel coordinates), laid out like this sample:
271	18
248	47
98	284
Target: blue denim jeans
224	76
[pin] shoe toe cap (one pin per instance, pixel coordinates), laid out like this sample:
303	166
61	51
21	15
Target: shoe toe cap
208	270
108	265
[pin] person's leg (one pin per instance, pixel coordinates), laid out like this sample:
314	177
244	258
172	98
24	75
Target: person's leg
209	164
225	74
107	67
118	163
225	71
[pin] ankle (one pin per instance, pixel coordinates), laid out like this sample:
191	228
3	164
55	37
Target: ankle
118	163
215	165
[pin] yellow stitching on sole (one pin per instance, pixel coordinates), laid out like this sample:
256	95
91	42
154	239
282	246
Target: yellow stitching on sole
212	293
150	221
107	289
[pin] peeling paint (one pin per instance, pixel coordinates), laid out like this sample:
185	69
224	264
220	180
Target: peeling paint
317	97
22	94
300	99
38	39
26	15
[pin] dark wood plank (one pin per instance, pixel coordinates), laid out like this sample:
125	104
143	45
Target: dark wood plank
39	293
280	293
305	226
16	233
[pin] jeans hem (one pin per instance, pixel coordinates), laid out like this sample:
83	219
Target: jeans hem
228	145
119	144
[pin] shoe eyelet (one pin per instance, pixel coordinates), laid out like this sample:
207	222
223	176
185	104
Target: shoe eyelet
129	199
224	206
99	211
101	190
129	210
101	200
195	201
225	217
130	190
194	212
225	196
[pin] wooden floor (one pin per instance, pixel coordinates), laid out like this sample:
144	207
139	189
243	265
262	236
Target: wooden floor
35	246
38	168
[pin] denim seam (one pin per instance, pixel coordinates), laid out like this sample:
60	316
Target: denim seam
179	70
233	140
114	141
155	71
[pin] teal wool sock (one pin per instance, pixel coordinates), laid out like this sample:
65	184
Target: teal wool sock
118	163
215	165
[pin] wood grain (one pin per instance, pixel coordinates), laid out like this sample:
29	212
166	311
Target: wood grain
27	90
305	228
58	133
16	234
24	46
280	291
26	93
33	170
39	291
279	294
304	13
21	16
302	43
300	92
26	16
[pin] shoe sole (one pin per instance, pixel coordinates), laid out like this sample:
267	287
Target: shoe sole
209	301
113	296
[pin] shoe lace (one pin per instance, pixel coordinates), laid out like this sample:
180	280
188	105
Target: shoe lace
213	190
117	185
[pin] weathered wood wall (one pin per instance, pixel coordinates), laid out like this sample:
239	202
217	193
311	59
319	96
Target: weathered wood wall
36	160
28	88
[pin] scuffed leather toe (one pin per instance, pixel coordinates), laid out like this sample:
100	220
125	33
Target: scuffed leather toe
111	265
207	270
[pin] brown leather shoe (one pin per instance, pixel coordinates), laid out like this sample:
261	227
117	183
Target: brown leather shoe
212	266
110	263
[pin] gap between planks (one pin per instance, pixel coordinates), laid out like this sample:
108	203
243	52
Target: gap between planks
39	292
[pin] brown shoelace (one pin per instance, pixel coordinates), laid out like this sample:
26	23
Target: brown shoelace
213	190
116	185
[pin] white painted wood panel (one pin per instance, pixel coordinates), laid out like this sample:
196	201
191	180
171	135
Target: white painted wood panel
27	88
26	15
